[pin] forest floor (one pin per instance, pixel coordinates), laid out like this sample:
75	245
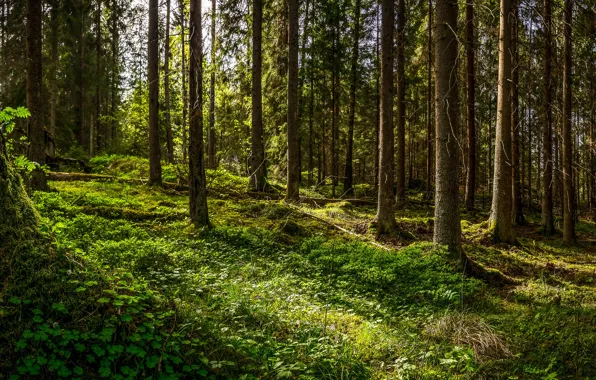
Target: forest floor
305	292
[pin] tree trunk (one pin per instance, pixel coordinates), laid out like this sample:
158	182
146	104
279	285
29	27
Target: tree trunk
470	108
385	215
378	102
548	224
429	111
114	81
53	71
36	152
184	92
335	90
518	215
197	181
293	190
569	205
212	140
166	84
258	178
349	174
447	228
96	127
154	147
401	105
500	219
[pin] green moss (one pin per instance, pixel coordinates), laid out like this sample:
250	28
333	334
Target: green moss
19	220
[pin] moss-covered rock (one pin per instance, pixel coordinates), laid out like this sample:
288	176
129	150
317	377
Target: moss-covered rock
18	218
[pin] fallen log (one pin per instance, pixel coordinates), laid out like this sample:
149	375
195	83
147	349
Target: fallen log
311	201
67	177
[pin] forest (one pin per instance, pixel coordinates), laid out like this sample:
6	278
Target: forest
285	189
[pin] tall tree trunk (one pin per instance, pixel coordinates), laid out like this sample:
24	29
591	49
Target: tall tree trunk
569	205
166	84
548	224
96	127
447	229
335	91
184	92
53	71
592	175
198	183
378	101
385	215
154	147
349	174
293	190
500	219
258	178
212	140
518	214
429	111
34	93
470	109
401	105
115	71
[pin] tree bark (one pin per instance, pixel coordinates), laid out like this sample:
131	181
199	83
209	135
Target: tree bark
401	105
385	217
429	131
447	227
349	174
96	127
184	88
569	203
54	81
470	109
154	147
258	178
548	225
197	181
500	219
36	139
518	214
212	159
166	84
293	189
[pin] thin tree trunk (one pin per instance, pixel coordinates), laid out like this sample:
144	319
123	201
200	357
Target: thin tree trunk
166	84
518	214
154	147
212	152
257	159
447	228
569	205
470	108
96	127
34	93
335	107
293	190
548	224
197	182
429	131
115	70
401	105
184	92
348	182
385	215
500	219
52	73
378	102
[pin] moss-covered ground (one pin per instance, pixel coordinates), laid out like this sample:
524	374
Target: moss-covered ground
302	292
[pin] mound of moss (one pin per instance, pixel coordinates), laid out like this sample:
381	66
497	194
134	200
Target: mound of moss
61	316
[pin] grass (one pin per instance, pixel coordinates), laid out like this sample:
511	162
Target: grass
271	292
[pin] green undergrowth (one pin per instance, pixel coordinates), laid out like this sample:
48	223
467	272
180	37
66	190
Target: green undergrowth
273	293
